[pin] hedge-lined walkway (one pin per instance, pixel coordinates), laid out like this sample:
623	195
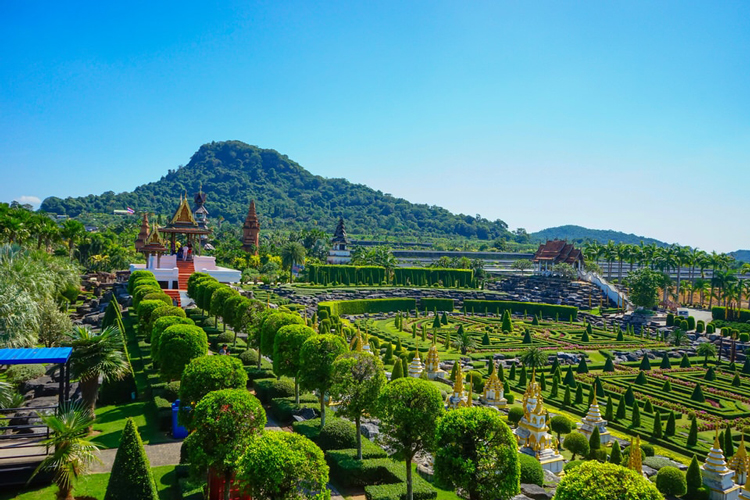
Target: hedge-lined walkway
158	455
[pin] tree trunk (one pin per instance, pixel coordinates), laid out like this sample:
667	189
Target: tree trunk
322	410
65	493
89	390
409	488
357	423
227	485
296	391
260	358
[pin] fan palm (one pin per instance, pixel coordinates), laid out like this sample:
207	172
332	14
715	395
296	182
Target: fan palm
72	232
678	336
707	350
96	355
73	454
291	254
464	341
533	357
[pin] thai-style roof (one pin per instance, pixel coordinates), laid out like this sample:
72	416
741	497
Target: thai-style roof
140	241
339	236
154	242
558	251
183	216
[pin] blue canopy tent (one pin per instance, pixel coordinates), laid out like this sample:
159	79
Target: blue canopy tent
42	355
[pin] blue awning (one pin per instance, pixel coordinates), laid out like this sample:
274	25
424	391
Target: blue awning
35	355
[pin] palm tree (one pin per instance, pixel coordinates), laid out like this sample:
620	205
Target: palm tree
464	341
678	336
634	255
291	254
533	357
96	355
707	350
72	232
609	252
74	454
681	258
702	285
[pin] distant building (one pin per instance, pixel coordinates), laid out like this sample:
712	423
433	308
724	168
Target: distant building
251	230
557	252
339	253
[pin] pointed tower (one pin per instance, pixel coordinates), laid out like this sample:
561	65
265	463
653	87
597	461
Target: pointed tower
339	253
432	362
200	212
635	460
740	463
494	392
458	398
594	419
717	477
251	230
532	432
140	241
416	367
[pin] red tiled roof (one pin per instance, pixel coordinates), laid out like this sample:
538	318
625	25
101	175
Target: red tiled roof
558	251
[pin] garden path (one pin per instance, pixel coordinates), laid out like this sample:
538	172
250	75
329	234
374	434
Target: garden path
158	455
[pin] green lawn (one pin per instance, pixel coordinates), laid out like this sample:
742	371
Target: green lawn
95	485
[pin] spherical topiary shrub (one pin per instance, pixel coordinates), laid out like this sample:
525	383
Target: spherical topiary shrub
671	481
172	391
249	357
162	312
225	338
594	480
159	296
572	465
515	414
648	449
137	275
143	290
158	328
145	308
210	373
337	434
268	389
531	470
178	345
577	444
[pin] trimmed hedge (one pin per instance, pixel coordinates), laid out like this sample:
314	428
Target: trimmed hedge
284	409
345	275
178	345
566	313
268	389
145	308
531	469
429	276
136	275
720	312
338	308
431	304
160	325
211	373
131	473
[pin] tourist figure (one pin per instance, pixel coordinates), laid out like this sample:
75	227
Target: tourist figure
189	253
224	350
179	253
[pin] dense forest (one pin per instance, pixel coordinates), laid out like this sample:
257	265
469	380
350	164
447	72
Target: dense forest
287	196
578	234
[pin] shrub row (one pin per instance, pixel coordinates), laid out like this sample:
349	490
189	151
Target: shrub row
346	275
284	409
565	313
428	276
430	304
338	308
720	312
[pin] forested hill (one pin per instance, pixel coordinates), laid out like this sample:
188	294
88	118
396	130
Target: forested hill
578	234
287	197
741	255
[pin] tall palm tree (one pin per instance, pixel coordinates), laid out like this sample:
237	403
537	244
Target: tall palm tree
72	232
609	252
291	254
702	285
464	341
634	255
533	357
681	258
73	454
622	252
96	355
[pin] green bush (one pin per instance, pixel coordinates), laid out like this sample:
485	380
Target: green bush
269	389
284	409
163	413
143	290
178	345
163	312
158	296
158	328
337	434
349	275
225	338
136	275
565	313
700	326
425	276
431	304
254	374
211	373
531	470
657	462
249	357
171	391
131	472
603	480
720	313
145	308
691	323
18	374
671	481
710	328
572	465
349	472
339	308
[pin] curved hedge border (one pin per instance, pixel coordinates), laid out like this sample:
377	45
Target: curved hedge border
346	275
566	313
430	304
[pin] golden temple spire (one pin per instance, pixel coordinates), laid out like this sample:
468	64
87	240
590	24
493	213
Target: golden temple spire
634	461
458	385
716	439
593	401
416	349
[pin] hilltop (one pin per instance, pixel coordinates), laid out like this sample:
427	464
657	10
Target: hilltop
287	196
578	234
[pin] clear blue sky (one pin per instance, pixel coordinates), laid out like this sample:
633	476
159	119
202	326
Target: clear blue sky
632	116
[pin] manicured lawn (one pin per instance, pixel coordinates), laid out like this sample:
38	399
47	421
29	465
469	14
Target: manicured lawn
95	486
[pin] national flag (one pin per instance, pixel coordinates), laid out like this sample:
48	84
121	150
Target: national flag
130	210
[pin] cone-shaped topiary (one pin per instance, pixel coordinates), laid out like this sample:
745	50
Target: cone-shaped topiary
728	442
444	319
665	363
657	432
486	339
697	394
609	365
736	382
570	379
671	425
636	418
667	387
685	361
543	382
579	394
648	407
629	396
616	456
131	473
710	374
512	374
746	366
693	479
522	377
585	337
621	408
436	322
620	336
566	397
555	388
582	366
595	441
609	414
692	438
641	378
398	370
645	363
527	337
507	324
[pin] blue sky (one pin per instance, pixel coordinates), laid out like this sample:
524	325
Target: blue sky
632	116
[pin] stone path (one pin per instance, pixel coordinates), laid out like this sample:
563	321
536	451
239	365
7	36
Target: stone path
158	455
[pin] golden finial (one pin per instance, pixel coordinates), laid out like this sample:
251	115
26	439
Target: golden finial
416	349
716	440
593	401
458	385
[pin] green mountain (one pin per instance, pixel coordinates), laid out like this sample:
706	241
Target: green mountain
741	255
578	234
286	195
